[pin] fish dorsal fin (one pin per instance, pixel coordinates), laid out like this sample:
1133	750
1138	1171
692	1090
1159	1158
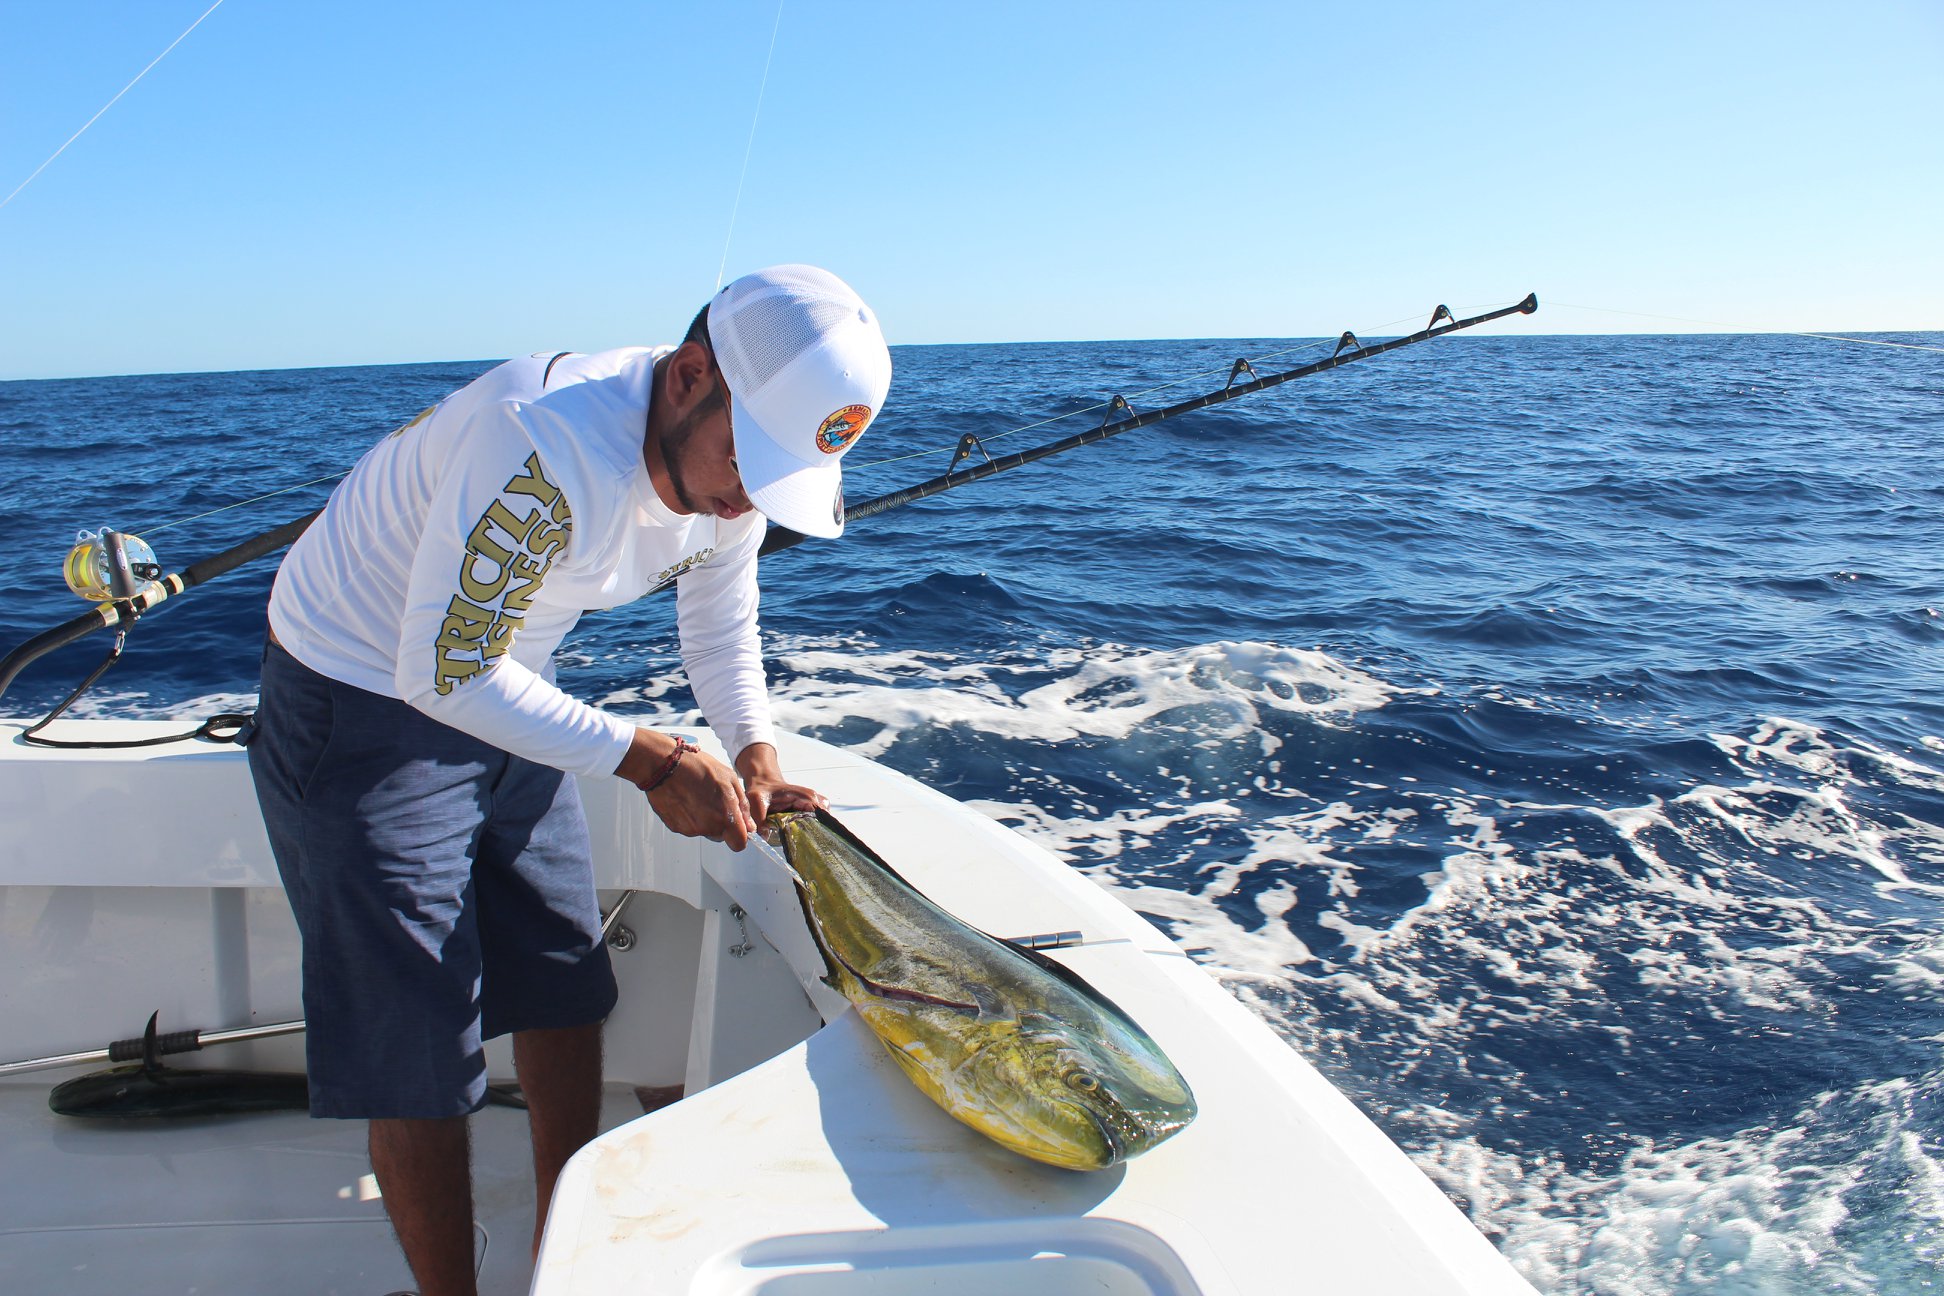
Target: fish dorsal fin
1065	974
1060	970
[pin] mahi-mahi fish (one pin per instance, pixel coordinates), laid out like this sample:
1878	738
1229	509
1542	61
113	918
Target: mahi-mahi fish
1001	1037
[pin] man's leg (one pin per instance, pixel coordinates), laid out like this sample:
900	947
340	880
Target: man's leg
546	980
425	1174
373	811
560	1075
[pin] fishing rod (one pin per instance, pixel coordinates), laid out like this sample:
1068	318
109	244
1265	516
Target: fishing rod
123	601
783	538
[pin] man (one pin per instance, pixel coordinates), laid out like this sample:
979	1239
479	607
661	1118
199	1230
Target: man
411	751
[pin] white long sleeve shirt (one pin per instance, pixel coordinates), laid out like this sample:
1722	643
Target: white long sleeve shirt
451	562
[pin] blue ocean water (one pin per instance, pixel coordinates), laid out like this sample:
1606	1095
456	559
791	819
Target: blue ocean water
1545	734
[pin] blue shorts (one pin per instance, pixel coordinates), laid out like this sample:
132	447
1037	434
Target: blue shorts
444	891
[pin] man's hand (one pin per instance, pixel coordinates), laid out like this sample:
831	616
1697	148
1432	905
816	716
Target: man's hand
765	787
701	798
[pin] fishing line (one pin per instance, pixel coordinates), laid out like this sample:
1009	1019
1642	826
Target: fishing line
254	499
747	147
1736	328
110	104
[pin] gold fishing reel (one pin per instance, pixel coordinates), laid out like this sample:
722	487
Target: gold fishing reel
109	566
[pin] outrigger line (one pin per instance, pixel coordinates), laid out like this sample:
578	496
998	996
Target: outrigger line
126	607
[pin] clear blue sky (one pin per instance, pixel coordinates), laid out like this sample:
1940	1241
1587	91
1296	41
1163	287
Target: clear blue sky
350	182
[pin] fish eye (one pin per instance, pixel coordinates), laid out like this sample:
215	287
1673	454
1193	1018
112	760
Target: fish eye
1082	1081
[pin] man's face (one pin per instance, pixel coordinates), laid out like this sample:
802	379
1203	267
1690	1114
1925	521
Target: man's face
700	451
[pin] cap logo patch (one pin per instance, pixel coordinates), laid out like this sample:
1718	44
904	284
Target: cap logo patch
842	428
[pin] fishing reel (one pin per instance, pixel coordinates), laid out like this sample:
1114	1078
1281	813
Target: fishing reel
109	566
116	572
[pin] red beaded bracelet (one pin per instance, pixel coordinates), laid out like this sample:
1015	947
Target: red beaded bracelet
682	748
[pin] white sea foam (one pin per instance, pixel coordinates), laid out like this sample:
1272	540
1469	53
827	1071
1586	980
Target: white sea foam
1818	824
1844	1197
1918	972
1796	745
1820	820
1720	935
1219	690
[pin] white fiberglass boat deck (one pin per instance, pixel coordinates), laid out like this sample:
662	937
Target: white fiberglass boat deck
800	1163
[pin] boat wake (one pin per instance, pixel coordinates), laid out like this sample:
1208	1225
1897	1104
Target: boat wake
1643	1005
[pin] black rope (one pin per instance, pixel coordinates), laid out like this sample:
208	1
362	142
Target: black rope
123	619
224	727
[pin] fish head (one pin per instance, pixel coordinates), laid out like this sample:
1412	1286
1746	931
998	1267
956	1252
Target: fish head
1082	1091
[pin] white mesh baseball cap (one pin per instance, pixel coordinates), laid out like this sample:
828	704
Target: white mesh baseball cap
807	370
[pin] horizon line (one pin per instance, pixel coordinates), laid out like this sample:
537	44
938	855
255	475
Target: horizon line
1834	334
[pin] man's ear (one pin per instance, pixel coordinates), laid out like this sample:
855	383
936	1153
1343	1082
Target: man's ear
688	373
